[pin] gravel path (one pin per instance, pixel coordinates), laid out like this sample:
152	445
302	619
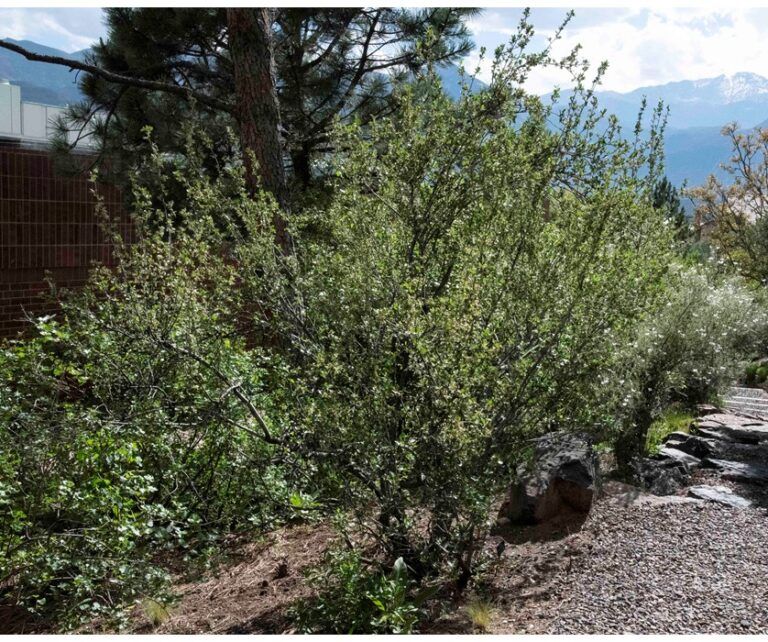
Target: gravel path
677	568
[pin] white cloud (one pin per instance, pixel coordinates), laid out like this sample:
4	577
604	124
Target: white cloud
47	27
654	46
491	22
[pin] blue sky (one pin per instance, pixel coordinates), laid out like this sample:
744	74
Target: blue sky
645	46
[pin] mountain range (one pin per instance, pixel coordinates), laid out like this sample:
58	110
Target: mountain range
698	109
39	81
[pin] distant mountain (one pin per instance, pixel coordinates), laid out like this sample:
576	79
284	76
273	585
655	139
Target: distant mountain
39	81
710	102
693	154
698	110
451	78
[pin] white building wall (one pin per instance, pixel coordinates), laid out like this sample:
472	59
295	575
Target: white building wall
24	120
10	110
38	121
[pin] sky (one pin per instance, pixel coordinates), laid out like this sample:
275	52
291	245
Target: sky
644	46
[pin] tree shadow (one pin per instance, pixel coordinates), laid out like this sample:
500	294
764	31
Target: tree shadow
15	620
567	522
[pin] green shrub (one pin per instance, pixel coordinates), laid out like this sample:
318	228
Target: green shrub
750	373
465	296
687	351
124	433
761	374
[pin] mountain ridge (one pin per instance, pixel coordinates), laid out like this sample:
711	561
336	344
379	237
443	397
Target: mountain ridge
41	82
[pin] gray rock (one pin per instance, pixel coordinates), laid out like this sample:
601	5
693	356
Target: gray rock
562	479
669	452
739	471
694	445
665	476
675	436
707	409
709	433
745	430
719	495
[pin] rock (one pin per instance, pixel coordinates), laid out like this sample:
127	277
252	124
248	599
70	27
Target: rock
678	455
739	471
707	409
694	445
745	430
562	479
710	433
675	436
518	507
662	476
720	495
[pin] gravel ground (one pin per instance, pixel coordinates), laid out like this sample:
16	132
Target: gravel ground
676	568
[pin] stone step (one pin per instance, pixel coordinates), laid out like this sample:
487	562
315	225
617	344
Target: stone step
757	393
746	409
741	404
749	404
740	395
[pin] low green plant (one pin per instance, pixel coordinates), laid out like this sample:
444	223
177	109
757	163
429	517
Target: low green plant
358	598
155	612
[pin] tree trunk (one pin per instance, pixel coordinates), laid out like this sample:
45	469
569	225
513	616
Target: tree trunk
302	168
631	444
258	111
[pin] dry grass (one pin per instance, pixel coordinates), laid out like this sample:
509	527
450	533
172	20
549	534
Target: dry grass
480	613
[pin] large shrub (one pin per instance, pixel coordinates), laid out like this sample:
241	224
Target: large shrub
462	289
461	294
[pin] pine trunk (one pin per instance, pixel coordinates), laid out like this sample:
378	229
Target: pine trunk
258	111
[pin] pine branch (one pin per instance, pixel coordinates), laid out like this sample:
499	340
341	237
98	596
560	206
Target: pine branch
109	76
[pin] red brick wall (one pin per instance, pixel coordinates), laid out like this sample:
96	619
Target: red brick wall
48	227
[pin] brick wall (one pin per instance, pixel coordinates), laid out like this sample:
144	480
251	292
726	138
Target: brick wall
48	227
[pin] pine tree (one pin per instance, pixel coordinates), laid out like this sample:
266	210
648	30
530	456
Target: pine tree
329	63
667	198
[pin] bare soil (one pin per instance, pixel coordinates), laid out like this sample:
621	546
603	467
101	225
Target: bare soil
252	591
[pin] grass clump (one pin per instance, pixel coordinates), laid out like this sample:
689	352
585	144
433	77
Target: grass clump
480	613
155	612
672	420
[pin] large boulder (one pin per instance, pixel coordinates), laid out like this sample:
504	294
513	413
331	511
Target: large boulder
739	471
561	480
678	455
694	445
